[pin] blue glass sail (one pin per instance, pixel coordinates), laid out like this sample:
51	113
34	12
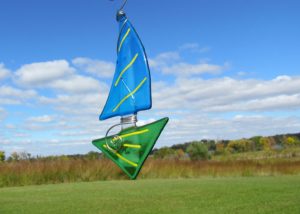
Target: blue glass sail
130	91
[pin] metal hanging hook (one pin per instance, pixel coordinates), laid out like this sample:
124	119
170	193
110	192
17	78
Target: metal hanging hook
123	5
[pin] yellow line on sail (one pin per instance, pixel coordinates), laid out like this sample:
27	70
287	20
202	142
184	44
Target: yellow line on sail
134	133
122	41
126	160
125	69
132	146
122	158
130	94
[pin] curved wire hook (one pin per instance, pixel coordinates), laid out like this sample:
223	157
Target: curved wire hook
123	5
124	121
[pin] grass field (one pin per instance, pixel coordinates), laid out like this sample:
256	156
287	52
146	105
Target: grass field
273	194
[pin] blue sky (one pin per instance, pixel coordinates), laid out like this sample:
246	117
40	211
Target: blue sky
221	69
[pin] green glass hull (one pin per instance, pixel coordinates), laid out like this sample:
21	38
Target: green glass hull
130	147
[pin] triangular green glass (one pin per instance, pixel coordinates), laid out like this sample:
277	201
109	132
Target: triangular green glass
130	147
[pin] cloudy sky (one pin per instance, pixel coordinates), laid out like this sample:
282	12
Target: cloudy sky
220	69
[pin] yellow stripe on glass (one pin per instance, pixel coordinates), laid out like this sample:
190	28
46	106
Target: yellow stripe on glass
134	146
130	94
126	68
126	160
122	158
122	41
134	133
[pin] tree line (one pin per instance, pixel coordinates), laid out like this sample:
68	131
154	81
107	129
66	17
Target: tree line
204	149
195	150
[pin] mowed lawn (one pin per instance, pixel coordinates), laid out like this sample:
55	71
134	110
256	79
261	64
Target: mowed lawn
204	195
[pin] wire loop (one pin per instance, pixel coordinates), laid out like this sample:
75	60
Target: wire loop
123	5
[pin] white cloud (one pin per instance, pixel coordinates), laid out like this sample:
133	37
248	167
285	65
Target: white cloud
228	94
74	100
100	68
163	59
8	91
185	69
172	63
9	101
3	142
77	84
57	75
77	104
280	102
41	119
10	126
194	47
38	74
242	73
195	126
14	96
4	72
2	113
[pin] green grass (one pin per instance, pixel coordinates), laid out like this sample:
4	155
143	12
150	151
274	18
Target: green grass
205	195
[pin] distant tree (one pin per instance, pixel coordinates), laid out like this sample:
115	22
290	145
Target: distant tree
265	143
256	139
242	145
179	154
180	146
220	148
232	146
198	151
24	155
14	156
63	157
290	141
93	155
164	152
2	156
210	144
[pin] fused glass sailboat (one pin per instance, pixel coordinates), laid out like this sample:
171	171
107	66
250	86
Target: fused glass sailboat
130	93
